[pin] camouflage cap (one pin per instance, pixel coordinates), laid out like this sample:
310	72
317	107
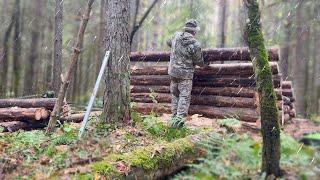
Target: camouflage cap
191	25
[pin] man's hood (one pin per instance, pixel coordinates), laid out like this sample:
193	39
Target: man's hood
187	39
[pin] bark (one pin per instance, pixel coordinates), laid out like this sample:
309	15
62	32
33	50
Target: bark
23	114
270	126
57	62
222	19
47	103
218	81
74	58
16	48
212	100
300	67
212	55
17	125
4	61
30	72
243	114
213	69
117	92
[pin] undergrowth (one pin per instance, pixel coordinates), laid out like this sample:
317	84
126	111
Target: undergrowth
239	157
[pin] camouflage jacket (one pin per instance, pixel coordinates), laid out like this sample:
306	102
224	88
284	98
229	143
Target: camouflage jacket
185	54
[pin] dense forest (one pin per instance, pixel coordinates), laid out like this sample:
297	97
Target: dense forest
254	110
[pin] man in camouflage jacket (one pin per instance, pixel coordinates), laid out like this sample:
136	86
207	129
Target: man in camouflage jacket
185	55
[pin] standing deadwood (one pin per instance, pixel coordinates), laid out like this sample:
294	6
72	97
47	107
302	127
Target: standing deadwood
74	58
222	23
16	49
270	127
5	58
117	91
57	64
301	65
30	72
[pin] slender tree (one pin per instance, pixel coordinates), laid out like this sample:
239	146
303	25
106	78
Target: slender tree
57	62
117	90
16	48
222	19
270	127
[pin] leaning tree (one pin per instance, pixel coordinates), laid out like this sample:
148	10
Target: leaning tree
270	127
117	90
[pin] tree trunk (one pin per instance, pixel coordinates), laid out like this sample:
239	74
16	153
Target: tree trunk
47	103
16	49
74	58
4	61
102	31
270	127
57	62
30	72
222	19
300	67
117	90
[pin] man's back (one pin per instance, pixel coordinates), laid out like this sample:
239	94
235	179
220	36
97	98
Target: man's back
185	54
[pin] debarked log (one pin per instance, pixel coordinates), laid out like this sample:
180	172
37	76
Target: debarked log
244	114
228	81
47	103
209	55
154	161
239	69
211	100
16	113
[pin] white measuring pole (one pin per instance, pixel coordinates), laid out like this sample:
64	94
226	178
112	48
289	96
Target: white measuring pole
93	95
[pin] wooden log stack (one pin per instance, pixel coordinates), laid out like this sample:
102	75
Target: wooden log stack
219	90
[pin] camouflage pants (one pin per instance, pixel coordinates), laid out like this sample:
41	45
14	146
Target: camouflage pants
181	96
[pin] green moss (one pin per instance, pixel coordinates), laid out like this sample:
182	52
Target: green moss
147	158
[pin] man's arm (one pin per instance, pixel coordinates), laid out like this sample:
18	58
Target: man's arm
197	56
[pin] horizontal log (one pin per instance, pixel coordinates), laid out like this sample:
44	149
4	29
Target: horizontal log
209	55
248	92
211	100
286	85
47	103
287	92
239	69
167	158
12	126
244	114
23	113
164	80
77	118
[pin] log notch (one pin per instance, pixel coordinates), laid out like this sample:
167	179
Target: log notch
23	114
47	103
238	69
220	54
244	114
152	162
212	100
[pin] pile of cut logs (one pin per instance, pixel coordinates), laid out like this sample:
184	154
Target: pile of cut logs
219	90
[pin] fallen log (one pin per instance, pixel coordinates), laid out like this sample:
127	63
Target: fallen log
209	55
12	126
77	118
23	113
164	80
213	69
216	101
152	162
47	103
244	114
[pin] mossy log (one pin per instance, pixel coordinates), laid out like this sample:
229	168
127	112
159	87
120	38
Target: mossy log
209	55
23	114
47	103
213	69
151	162
212	100
225	81
243	114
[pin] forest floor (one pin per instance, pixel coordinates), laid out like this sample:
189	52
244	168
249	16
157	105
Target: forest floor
32	154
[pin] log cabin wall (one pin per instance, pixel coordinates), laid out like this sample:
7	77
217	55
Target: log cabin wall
219	90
